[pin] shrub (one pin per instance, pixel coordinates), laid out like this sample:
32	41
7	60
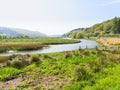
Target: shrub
87	53
82	73
16	63
35	59
3	59
68	55
49	57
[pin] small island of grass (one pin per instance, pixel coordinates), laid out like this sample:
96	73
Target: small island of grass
22	44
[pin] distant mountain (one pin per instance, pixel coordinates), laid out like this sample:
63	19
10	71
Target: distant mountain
12	32
9	32
72	31
30	33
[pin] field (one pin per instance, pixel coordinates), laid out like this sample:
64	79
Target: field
89	69
109	41
40	40
21	44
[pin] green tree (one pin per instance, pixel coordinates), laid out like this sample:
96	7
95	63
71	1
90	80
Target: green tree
73	35
107	27
115	27
79	35
118	26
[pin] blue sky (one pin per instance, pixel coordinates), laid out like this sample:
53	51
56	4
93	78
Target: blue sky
56	16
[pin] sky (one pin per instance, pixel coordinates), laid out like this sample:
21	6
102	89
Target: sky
56	16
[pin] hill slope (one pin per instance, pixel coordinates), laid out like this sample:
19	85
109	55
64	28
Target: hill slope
12	32
9	32
30	33
72	31
107	28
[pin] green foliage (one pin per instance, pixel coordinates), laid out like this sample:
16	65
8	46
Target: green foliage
76	35
36	60
110	82
23	44
82	73
106	28
74	86
68	55
7	72
89	69
39	40
73	35
21	61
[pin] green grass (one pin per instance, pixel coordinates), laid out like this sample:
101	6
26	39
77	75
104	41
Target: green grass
110	82
40	40
74	70
25	44
113	35
7	72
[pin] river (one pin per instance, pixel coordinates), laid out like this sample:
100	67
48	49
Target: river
56	48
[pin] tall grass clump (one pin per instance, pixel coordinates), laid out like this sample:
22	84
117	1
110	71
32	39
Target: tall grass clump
82	73
68	54
35	59
21	61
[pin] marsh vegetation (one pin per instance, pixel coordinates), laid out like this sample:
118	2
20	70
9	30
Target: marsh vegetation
23	44
89	69
82	69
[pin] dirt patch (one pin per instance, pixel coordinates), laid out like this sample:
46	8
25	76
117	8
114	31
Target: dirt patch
11	83
48	82
44	82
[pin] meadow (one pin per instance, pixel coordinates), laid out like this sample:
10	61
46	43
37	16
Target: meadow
40	40
90	69
22	44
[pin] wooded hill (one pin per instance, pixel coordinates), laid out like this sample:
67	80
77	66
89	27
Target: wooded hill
72	31
109	28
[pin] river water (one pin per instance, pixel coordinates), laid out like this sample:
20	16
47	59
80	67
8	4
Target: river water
56	48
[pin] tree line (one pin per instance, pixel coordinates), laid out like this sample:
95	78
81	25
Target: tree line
109	27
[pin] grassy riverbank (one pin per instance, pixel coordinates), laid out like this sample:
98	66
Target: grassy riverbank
21	44
40	40
89	69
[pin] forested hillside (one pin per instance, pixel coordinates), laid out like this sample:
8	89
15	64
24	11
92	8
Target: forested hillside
72	31
107	28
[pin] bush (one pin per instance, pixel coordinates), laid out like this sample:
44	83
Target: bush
3	59
20	61
82	73
68	55
35	59
87	53
49	57
16	63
